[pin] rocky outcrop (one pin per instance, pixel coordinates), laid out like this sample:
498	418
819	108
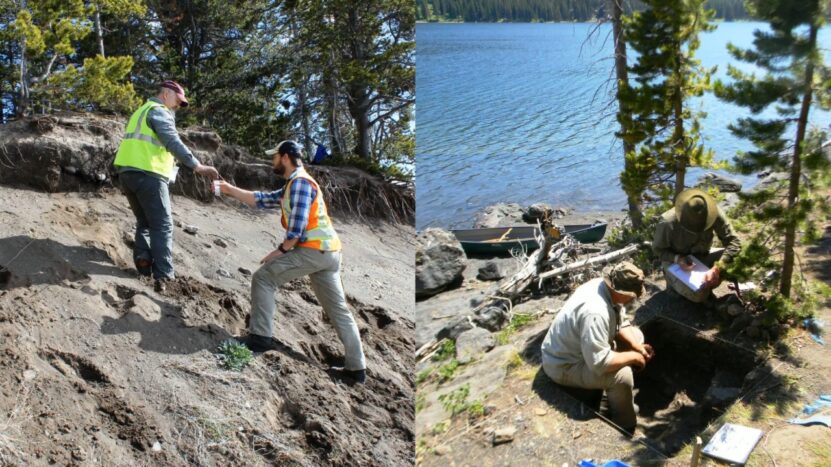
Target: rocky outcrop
724	184
440	262
498	215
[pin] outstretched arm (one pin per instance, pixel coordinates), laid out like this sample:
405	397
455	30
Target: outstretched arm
254	199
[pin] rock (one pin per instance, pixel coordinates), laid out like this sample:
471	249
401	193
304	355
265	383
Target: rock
157	447
244	271
191	229
489	409
29	375
536	212
724	184
770	180
719	396
472	343
498	215
504	435
441	450
221	242
735	309
454	328
491	271
145	307
224	273
440	262
491	318
177	223
731	200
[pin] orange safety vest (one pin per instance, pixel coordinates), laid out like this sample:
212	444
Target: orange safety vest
320	234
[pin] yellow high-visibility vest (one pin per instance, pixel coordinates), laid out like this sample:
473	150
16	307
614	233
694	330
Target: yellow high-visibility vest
141	147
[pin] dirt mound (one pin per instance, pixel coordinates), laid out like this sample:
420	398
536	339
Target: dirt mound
74	152
98	368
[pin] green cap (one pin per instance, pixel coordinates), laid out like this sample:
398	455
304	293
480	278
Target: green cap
625	278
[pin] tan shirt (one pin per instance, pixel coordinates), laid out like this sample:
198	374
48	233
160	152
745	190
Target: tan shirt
585	328
672	239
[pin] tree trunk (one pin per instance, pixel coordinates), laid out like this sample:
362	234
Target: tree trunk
359	111
796	167
23	106
678	143
99	32
622	75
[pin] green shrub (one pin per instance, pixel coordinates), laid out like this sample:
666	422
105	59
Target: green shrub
455	401
233	355
447	350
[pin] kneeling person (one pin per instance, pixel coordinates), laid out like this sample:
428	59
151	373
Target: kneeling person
688	229
591	345
311	248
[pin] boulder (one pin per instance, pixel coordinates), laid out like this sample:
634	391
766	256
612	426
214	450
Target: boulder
491	271
491	318
454	328
536	212
472	343
498	215
724	184
440	262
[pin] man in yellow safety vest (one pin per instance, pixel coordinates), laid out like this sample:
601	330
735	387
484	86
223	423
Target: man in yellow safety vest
146	164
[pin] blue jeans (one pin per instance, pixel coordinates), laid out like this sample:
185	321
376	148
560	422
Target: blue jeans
150	201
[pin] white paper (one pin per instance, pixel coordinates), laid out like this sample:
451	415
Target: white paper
694	278
733	443
173	173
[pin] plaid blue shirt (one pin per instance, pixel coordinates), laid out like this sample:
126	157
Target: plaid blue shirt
300	202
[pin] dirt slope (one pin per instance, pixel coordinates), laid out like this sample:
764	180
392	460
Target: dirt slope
98	369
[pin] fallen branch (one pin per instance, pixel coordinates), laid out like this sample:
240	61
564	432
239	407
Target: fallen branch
589	262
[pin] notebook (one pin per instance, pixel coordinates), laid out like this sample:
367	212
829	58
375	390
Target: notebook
694	278
733	443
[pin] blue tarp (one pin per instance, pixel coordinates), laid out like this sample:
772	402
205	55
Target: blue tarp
320	154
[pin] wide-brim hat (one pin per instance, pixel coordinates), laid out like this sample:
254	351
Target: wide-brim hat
625	278
696	210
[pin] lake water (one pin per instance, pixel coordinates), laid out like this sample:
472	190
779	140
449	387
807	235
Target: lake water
522	113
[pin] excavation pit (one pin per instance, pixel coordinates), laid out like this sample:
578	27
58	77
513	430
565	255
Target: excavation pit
691	380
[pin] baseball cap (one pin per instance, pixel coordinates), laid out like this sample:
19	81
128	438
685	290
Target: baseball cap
180	91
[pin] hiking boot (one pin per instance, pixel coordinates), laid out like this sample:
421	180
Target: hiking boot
257	343
350	377
144	267
160	286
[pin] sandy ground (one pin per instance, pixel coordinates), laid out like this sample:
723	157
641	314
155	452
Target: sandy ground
98	369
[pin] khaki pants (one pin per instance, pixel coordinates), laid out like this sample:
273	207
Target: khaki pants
676	285
618	385
323	268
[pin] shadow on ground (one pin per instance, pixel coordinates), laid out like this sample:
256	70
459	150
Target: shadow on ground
38	261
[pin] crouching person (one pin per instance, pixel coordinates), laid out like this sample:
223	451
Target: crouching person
591	345
311	248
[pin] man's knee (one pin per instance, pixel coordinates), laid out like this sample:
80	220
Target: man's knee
260	276
625	377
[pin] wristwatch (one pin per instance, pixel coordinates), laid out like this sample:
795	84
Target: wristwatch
282	250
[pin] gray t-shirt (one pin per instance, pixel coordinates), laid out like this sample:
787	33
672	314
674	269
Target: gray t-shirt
585	328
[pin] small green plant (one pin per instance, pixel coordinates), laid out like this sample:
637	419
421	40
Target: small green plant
233	355
514	361
447	350
517	322
455	401
447	370
476	409
441	427
421	402
423	376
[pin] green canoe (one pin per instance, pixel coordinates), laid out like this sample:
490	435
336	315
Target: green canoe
500	240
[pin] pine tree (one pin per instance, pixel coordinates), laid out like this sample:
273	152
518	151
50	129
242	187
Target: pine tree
792	78
663	80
